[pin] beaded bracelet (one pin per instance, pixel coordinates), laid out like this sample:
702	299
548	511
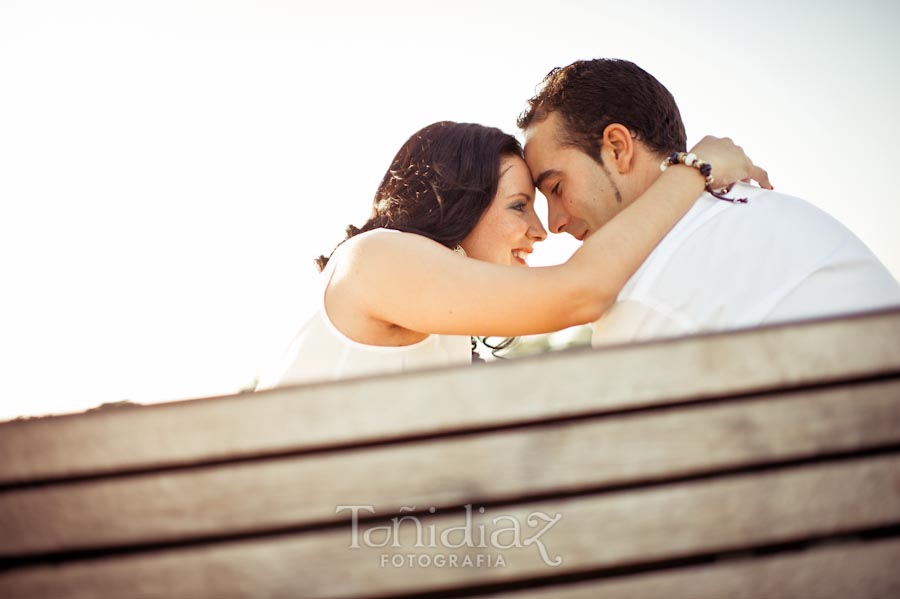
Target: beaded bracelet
705	168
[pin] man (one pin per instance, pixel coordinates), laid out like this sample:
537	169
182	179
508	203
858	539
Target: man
596	135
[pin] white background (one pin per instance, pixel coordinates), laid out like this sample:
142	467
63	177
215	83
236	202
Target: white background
169	169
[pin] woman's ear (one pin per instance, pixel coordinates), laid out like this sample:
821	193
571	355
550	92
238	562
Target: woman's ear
618	144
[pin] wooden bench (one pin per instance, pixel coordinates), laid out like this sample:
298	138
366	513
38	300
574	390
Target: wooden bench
758	463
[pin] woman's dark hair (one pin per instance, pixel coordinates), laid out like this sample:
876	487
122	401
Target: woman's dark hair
592	94
440	183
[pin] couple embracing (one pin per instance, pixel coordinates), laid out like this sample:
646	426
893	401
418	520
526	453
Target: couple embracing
673	242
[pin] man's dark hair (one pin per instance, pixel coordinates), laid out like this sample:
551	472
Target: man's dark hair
589	95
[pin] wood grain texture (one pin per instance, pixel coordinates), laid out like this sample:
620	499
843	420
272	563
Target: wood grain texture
563	384
595	532
846	570
486	467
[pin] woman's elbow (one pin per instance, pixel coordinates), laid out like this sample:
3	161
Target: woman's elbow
589	304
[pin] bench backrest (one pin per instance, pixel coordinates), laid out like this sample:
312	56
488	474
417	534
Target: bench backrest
753	463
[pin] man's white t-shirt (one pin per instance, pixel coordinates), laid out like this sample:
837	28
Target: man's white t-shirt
725	266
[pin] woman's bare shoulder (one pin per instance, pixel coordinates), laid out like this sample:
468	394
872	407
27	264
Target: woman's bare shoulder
370	246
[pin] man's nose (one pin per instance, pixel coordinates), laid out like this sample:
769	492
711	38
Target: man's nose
557	219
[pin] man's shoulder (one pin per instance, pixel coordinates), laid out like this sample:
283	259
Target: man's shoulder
766	216
769	216
719	242
761	199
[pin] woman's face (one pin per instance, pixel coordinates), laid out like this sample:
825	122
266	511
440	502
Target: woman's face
509	228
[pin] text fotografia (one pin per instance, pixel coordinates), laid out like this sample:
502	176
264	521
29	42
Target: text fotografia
500	533
441	560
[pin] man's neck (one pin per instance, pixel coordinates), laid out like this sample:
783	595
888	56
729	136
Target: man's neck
644	172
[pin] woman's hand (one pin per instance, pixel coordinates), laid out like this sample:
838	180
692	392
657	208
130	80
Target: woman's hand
729	162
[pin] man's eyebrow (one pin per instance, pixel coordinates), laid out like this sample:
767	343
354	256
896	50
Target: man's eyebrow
543	176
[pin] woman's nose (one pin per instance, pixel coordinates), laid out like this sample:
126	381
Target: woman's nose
536	230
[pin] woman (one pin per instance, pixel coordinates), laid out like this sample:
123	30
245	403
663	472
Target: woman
444	256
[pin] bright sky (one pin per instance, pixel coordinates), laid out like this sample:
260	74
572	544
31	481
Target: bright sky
169	169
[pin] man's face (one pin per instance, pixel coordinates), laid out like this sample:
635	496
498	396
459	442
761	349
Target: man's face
581	194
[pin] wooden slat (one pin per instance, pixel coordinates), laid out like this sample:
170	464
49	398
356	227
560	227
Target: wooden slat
846	570
562	384
487	467
595	532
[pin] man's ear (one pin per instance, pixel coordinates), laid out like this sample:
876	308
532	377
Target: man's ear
619	146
